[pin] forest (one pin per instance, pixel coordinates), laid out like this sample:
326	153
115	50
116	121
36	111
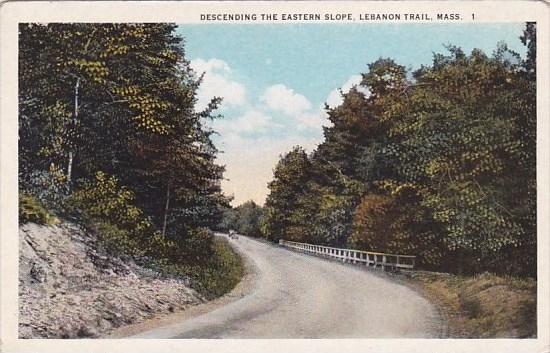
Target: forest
109	138
439	162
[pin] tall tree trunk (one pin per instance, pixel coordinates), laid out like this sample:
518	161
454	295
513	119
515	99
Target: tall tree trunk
166	209
74	122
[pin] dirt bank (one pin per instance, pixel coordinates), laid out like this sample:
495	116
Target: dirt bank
69	288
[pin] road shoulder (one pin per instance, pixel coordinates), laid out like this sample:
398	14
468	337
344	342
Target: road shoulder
244	288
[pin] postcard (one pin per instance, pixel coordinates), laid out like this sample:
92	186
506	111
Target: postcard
302	176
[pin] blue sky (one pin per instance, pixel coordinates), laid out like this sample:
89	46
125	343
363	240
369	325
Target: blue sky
276	78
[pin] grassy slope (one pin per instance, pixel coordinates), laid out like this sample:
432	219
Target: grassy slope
218	276
227	271
483	306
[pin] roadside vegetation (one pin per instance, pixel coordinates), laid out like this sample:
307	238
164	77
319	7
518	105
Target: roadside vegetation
110	139
484	305
32	210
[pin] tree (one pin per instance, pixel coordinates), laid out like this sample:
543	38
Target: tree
397	223
288	184
441	165
88	88
119	99
247	219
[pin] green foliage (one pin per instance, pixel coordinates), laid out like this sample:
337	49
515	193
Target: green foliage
116	240
290	176
104	200
112	106
245	219
228	220
215	273
249	215
440	165
47	186
31	210
224	272
109	209
119	98
459	146
388	223
332	222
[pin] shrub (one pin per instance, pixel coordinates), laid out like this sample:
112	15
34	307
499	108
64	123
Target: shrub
116	240
248	219
470	305
49	187
245	219
109	208
31	210
485	305
222	272
212	265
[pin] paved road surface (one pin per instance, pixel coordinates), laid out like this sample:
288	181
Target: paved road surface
294	295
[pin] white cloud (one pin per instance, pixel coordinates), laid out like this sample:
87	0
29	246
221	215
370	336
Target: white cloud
200	65
281	98
217	82
334	98
312	120
251	121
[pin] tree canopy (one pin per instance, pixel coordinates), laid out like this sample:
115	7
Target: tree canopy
114	104
438	163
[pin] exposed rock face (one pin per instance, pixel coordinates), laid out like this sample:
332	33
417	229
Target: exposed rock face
68	288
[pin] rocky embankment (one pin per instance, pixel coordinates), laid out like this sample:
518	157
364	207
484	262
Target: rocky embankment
68	288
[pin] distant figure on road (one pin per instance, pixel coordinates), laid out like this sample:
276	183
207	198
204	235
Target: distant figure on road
233	234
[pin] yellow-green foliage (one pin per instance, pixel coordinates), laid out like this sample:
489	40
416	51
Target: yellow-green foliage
103	199
110	209
484	306
31	210
145	132
122	227
118	240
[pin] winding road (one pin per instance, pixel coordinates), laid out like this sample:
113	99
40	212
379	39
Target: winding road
293	295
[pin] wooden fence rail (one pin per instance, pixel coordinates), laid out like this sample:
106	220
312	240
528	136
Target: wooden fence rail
374	259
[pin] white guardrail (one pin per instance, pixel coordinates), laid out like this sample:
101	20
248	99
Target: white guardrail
367	258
